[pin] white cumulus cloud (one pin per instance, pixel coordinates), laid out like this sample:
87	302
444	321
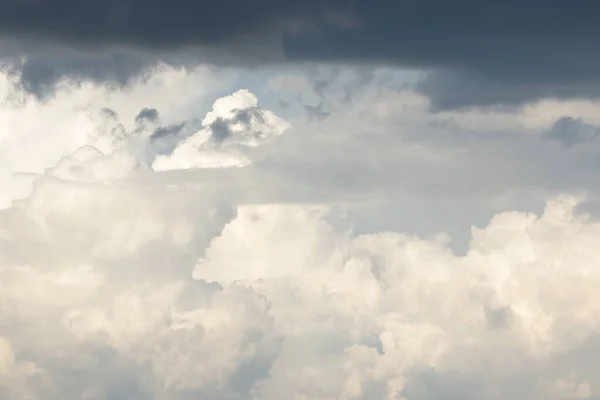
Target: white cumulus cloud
121	280
235	122
284	305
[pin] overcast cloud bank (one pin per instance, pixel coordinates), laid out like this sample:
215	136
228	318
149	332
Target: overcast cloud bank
477	54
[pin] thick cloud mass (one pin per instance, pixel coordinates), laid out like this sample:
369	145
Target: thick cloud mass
480	54
159	24
120	281
483	54
97	282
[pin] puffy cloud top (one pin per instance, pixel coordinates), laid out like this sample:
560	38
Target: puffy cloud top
235	122
283	305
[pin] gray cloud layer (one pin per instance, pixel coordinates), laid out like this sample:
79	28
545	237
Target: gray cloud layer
481	53
158	23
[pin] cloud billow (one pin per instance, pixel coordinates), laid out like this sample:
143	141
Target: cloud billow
118	281
235	123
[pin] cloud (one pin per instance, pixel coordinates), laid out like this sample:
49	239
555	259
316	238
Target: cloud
402	305
235	122
117	42
162	25
463	89
383	149
282	304
569	132
508	54
120	281
90	164
147	115
35	135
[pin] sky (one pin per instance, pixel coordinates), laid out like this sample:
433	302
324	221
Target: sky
305	200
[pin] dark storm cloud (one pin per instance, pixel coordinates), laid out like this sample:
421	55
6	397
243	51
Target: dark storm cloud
39	74
42	70
481	53
159	23
115	40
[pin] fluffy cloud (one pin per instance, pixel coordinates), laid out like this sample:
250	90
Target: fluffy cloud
235	122
164	25
387	315
35	135
281	304
119	281
116	43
